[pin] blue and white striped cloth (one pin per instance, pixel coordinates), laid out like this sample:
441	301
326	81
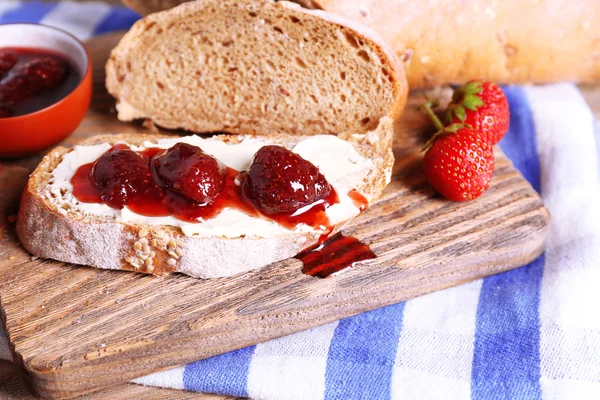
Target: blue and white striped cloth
531	333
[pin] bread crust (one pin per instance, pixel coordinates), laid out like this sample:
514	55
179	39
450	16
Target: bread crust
69	236
510	42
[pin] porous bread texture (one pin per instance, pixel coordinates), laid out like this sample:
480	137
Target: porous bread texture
51	230
441	41
254	67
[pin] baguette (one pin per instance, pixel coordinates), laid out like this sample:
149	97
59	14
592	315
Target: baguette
276	69
509	42
50	225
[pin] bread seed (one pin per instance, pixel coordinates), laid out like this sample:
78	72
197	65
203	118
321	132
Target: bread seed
11	258
149	261
150	268
171	261
172	244
173	254
132	262
154	243
144	241
143	233
137	246
179	252
146	249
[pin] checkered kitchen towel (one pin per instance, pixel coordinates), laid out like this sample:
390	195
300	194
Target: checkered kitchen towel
531	333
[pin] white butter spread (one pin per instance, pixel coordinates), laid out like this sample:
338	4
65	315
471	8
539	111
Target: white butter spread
337	160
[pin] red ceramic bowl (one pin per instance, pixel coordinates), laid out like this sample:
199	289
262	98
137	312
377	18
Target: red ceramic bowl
31	133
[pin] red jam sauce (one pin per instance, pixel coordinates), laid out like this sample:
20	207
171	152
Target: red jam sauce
153	200
335	254
150	197
32	79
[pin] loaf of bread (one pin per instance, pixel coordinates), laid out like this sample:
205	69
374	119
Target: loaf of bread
255	67
452	41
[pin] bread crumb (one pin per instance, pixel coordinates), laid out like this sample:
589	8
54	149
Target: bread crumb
11	258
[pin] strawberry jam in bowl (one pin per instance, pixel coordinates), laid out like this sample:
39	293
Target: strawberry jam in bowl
45	87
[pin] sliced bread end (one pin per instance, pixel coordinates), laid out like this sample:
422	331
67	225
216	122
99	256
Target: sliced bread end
276	69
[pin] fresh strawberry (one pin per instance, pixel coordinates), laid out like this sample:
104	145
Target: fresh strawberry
280	181
459	162
483	106
460	165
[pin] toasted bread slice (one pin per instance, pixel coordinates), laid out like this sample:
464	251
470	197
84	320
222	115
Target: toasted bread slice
51	225
255	67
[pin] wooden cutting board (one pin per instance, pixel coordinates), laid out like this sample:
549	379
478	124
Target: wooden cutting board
76	329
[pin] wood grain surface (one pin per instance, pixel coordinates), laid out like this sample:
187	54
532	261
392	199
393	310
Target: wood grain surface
75	329
16	390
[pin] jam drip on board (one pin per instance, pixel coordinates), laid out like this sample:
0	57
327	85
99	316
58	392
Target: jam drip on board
335	254
32	79
148	194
